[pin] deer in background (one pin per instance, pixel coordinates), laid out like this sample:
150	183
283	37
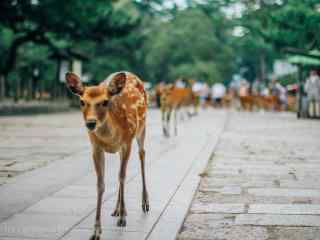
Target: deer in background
115	114
173	99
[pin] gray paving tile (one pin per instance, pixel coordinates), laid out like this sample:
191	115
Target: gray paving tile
284	192
77	191
285	209
308	182
165	230
205	226
137	221
44	226
234	190
277	220
84	234
199	207
296	233
65	206
10	238
227	233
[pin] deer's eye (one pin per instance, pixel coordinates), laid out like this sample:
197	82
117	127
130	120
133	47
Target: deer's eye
105	103
82	103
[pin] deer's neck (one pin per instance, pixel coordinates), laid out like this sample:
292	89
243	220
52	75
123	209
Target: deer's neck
104	131
109	129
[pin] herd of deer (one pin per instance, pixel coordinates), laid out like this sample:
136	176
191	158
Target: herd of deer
115	114
250	102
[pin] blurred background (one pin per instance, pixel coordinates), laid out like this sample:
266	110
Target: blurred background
259	48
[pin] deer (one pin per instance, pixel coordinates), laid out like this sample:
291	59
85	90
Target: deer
172	99
115	115
261	102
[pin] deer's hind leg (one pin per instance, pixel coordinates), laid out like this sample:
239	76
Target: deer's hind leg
145	199
165	111
163	120
168	121
175	122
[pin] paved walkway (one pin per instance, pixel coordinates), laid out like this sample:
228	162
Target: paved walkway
57	201
30	142
262	182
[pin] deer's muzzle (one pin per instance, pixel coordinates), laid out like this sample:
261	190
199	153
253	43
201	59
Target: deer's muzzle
91	124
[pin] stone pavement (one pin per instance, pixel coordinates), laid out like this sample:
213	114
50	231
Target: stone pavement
11	108
29	142
262	182
57	200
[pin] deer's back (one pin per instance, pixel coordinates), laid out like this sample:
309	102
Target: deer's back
129	108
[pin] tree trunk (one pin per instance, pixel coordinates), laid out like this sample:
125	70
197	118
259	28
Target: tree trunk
300	93
262	67
34	85
11	57
2	87
17	95
29	89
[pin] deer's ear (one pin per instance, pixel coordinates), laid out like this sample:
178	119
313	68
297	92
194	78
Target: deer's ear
74	83
117	83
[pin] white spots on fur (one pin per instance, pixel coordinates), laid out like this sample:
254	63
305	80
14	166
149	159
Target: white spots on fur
131	102
134	106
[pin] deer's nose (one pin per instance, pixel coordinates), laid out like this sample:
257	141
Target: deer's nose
91	124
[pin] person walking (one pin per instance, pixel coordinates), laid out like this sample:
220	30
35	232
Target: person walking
312	88
218	92
279	94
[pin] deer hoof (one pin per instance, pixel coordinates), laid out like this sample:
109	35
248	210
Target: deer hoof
95	237
121	222
116	213
145	207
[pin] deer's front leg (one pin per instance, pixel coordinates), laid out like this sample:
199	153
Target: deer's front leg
116	212
121	208
99	163
164	125
175	123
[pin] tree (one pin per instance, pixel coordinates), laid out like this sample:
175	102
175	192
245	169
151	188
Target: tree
270	29
290	24
187	45
56	24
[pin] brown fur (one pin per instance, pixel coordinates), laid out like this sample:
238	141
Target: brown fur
247	102
118	106
261	102
172	99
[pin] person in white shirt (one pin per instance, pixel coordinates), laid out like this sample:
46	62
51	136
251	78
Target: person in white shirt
218	92
180	83
312	88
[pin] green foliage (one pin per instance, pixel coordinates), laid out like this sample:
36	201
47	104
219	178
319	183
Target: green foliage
291	23
273	28
288	79
187	45
27	26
